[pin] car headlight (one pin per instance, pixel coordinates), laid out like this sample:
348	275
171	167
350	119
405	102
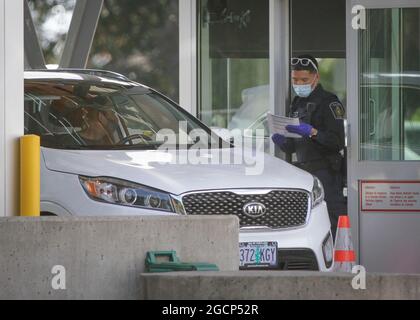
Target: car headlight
129	194
317	192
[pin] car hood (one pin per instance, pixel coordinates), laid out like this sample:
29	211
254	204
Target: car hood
158	169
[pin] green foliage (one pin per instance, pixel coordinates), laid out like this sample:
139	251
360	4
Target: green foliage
333	76
138	38
416	116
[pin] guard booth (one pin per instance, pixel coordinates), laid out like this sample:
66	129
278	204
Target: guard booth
369	53
383	83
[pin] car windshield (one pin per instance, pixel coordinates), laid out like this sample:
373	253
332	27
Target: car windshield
99	116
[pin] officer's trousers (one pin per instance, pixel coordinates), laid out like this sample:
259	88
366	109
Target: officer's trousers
336	202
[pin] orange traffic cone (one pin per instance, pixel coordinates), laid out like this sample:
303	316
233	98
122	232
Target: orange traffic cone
344	256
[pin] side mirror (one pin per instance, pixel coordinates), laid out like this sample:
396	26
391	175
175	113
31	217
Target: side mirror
223	133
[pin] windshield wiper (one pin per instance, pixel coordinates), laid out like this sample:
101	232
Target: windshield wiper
152	146
108	147
140	146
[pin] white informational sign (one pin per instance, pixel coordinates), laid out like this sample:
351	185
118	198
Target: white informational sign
278	124
390	196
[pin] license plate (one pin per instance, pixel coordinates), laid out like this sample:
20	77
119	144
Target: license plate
257	255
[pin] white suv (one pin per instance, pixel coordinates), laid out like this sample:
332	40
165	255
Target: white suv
102	155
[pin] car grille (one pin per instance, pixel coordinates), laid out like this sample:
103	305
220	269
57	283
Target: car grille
285	209
297	260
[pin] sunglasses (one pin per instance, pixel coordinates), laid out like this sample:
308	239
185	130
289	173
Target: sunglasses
305	62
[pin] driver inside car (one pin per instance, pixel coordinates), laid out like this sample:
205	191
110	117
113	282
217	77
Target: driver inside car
99	127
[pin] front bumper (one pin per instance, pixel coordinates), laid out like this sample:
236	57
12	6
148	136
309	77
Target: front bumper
299	249
294	243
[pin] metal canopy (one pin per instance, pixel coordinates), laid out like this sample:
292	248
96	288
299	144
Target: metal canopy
34	58
81	33
79	38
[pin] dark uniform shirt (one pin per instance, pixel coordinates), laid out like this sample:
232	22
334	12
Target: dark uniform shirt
324	111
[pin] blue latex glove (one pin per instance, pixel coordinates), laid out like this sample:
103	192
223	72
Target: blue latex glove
278	139
303	129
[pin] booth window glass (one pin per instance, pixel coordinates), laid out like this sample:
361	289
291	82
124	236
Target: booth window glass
326	40
389	66
233	63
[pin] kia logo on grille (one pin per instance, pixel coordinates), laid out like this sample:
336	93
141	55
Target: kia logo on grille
254	209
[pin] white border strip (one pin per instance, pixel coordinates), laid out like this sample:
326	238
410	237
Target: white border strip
11	102
188	55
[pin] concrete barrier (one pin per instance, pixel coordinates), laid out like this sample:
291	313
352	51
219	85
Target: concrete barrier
104	257
276	285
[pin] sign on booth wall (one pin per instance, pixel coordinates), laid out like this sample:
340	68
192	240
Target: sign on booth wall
390	196
238	29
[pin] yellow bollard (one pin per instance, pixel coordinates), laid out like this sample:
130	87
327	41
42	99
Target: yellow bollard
30	176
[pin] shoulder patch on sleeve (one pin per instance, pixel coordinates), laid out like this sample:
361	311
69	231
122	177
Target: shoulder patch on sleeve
338	110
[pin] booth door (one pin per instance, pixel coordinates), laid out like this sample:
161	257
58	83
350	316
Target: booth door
384	133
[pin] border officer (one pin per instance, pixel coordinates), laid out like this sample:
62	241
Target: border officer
321	116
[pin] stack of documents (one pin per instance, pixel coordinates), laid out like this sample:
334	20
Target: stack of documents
277	124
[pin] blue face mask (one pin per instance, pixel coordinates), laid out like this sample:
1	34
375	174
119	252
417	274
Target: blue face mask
303	90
